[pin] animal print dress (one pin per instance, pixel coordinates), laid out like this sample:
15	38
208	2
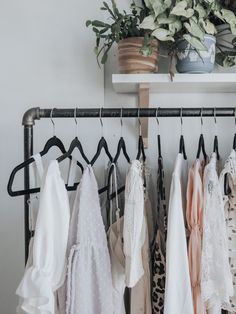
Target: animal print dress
159	246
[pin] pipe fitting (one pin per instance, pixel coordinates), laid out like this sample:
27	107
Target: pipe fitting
30	116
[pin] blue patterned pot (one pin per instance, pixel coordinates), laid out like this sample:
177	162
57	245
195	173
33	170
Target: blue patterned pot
189	61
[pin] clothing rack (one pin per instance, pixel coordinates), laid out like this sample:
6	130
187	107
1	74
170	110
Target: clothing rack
34	114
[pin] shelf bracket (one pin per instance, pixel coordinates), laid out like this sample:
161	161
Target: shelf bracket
143	102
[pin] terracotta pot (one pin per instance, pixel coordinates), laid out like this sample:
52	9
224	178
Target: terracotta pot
132	61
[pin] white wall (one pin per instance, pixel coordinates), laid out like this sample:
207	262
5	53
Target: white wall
46	59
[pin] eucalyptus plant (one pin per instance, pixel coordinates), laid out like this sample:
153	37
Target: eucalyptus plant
170	20
120	25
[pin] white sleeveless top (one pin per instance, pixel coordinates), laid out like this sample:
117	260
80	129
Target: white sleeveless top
178	295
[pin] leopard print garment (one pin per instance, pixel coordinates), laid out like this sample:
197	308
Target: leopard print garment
158	252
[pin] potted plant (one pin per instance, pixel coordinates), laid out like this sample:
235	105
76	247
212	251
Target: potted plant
137	49
189	29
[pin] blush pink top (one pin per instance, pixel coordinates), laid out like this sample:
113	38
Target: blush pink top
194	212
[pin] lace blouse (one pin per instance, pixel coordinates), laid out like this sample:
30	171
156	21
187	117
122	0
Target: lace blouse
228	188
216	279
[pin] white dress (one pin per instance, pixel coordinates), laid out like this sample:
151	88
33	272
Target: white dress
178	296
216	279
47	272
89	282
133	232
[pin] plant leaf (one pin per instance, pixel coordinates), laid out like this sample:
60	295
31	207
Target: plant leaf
97	23
163	19
163	34
175	27
224	60
194	29
158	7
104	58
149	23
88	22
195	42
180	9
208	26
200	10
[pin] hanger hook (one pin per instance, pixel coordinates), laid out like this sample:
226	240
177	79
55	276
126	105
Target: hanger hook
201	119
76	122
181	120
157	120
215	115
140	131
53	123
100	118
121	122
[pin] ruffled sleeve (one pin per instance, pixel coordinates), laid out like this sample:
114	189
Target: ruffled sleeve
47	273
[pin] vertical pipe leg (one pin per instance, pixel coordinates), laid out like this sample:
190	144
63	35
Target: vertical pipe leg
144	103
28	151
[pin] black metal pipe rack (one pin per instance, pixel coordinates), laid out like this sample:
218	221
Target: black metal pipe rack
37	113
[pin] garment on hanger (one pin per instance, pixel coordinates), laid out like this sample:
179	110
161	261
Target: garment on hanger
216	279
47	272
178	296
36	171
228	174
89	281
73	177
140	296
159	246
108	212
115	245
133	232
148	202
194	212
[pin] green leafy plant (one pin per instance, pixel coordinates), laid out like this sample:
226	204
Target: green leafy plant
226	43
121	25
171	20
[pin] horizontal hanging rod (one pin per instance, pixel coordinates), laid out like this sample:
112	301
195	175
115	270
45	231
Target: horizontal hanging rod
37	113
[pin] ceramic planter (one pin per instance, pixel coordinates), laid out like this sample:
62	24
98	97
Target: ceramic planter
132	61
189	61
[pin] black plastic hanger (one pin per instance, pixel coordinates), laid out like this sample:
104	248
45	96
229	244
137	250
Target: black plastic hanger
181	140
216	145
102	144
121	144
121	147
141	150
234	142
74	144
227	189
54	141
158	136
201	143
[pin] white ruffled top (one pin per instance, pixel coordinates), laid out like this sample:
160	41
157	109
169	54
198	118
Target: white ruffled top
47	272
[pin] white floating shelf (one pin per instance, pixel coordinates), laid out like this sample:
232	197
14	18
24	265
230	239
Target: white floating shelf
182	83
